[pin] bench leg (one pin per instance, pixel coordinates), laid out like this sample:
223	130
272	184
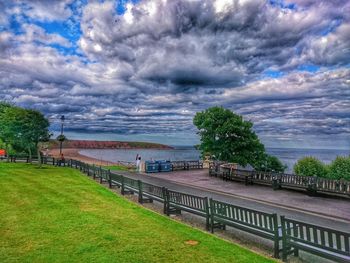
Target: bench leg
165	210
296	252
276	248
173	211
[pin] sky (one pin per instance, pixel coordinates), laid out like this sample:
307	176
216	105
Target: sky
140	70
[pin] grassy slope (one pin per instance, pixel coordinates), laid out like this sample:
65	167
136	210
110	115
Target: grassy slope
58	215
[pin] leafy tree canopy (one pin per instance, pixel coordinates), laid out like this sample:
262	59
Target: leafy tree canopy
340	168
226	136
22	129
310	166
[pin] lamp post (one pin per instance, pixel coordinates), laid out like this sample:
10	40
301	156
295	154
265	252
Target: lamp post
61	141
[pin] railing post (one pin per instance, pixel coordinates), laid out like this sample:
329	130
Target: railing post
167	201
109	178
101	179
312	186
207	213
139	182
276	238
211	207
284	240
94	173
276	182
164	191
122	186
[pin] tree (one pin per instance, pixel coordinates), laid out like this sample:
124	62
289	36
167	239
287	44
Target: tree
270	164
310	166
340	168
228	137
23	129
11	122
35	130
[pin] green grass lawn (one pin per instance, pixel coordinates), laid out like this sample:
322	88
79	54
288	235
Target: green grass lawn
59	215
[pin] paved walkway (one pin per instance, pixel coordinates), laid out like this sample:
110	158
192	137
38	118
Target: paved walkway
326	211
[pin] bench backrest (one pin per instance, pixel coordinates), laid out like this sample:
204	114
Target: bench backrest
153	190
244	216
131	183
116	178
104	174
316	236
263	176
190	201
335	186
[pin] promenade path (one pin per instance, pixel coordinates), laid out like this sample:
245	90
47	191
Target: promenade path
324	211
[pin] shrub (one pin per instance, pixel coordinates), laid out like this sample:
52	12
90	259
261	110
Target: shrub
340	168
270	164
275	165
310	166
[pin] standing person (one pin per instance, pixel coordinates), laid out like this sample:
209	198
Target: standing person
138	164
136	159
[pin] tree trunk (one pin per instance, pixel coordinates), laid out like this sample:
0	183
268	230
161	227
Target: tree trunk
30	155
39	156
7	152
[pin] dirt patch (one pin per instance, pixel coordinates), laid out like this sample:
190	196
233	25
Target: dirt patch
191	242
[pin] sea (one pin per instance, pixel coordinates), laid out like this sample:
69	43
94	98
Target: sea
288	156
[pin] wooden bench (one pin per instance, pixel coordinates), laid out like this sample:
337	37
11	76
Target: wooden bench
178	165
129	186
149	192
341	187
214	169
325	242
255	222
238	175
177	202
104	175
194	165
115	179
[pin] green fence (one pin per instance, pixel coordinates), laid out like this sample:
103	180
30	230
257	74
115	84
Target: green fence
310	184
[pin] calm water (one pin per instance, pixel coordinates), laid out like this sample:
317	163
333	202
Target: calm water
286	155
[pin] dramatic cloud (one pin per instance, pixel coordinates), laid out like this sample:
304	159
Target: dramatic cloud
147	67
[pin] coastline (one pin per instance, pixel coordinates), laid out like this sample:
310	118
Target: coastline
73	153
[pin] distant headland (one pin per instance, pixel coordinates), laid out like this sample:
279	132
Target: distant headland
87	144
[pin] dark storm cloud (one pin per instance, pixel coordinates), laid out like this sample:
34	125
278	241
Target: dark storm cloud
150	69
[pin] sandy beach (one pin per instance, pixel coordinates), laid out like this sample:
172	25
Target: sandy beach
73	153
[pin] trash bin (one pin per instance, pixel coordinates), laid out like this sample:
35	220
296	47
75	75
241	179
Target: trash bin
164	166
151	167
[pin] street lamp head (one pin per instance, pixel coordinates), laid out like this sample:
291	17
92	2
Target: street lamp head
62	118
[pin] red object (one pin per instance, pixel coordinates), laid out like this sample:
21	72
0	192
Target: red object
2	152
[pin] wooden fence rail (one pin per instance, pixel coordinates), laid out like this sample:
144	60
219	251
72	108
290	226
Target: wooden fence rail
311	184
186	165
